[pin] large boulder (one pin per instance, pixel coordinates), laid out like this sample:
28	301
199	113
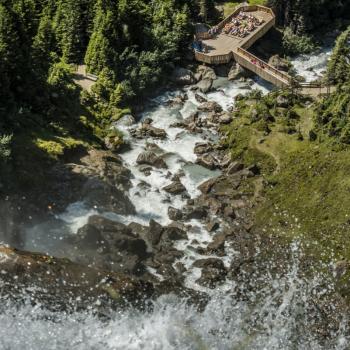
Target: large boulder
105	196
205	85
237	72
125	120
148	130
213	272
210	106
107	244
202	148
174	214
200	98
60	284
279	63
150	158
183	76
207	72
175	187
207	161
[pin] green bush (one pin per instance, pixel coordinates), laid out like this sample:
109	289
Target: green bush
5	147
297	44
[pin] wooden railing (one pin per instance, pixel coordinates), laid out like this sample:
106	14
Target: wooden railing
204	36
261	68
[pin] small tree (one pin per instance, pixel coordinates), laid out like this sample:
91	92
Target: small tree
5	147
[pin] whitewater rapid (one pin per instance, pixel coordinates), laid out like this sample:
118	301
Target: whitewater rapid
259	322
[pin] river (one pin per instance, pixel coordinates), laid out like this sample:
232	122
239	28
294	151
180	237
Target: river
274	318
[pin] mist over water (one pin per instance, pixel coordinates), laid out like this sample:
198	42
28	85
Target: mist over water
274	313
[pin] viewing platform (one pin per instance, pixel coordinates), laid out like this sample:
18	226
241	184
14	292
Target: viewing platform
221	48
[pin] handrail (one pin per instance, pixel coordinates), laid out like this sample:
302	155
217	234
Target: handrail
277	72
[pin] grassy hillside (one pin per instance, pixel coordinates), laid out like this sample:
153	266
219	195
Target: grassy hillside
306	183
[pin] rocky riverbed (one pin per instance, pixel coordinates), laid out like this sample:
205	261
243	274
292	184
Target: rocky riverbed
163	233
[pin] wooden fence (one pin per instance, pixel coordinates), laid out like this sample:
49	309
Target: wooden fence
261	68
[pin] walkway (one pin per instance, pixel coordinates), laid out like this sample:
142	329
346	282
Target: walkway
85	80
222	48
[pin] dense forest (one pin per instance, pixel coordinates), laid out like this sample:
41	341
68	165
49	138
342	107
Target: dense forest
132	45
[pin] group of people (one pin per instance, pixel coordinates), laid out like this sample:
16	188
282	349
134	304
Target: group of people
199	46
242	25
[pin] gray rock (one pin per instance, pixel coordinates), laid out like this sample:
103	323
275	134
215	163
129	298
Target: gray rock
205	85
279	63
126	120
234	167
207	72
175	187
225	118
213	272
183	76
237	72
210	106
207	161
202	148
213	226
174	214
200	98
150	158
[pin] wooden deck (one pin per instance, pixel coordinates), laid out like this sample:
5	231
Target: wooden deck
223	48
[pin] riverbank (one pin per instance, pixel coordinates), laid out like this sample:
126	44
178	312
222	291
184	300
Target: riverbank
200	170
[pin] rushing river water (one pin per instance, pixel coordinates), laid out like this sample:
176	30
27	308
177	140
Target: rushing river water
275	318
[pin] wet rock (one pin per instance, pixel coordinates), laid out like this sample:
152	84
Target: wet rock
213	272
234	168
205	85
202	147
210	106
206	186
150	158
207	72
213	226
178	100
239	97
113	142
183	76
180	267
173	233
174	214
148	130
200	98
60	284
145	169
99	194
193	118
229	212
279	63
237	72
178	175
198	77
175	187
153	148
207	161
106	244
155	232
125	120
217	246
191	212
223	70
